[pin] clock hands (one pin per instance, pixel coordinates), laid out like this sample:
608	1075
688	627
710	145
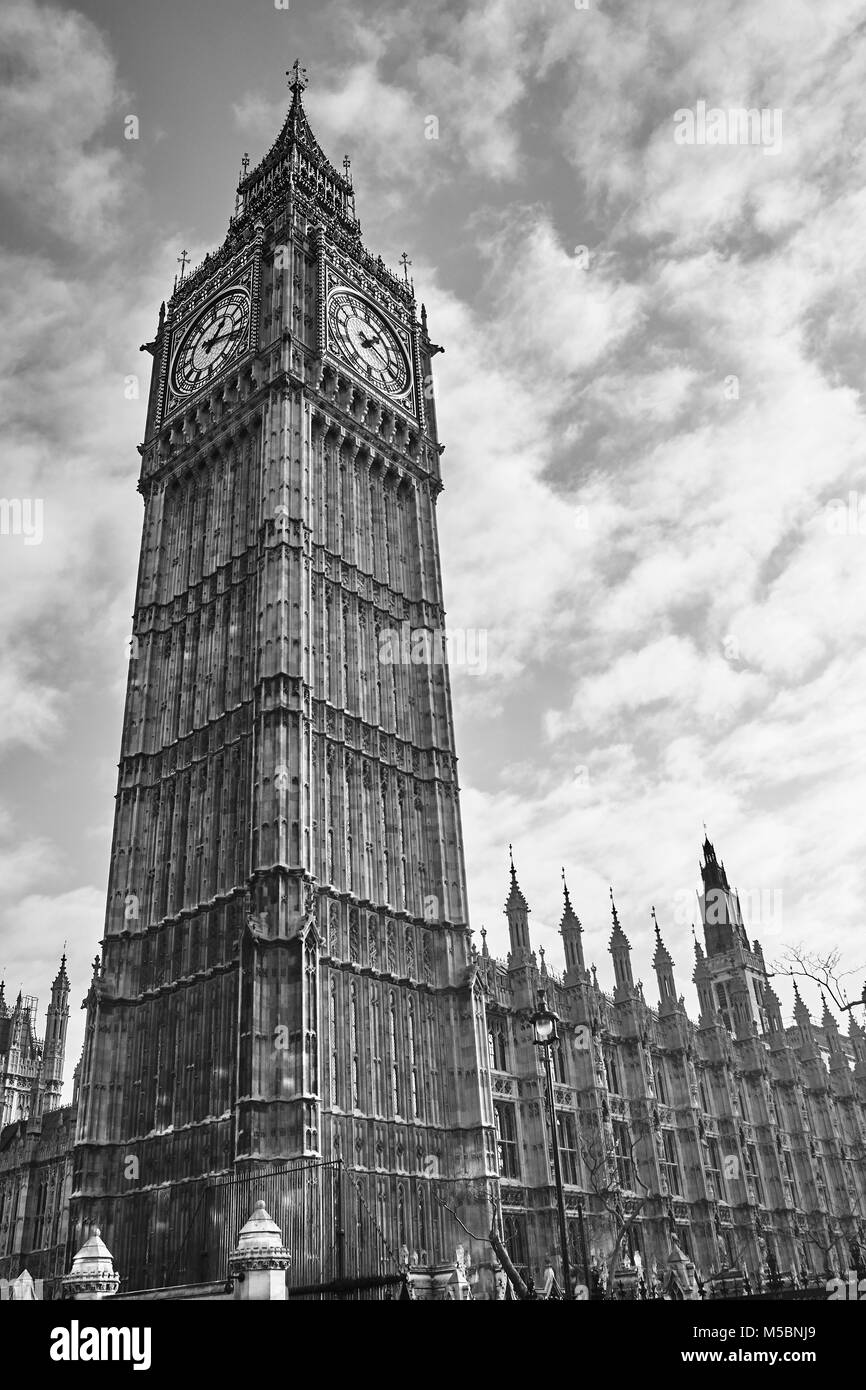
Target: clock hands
367	344
218	336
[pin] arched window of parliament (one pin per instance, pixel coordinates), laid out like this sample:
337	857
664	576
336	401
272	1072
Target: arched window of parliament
423	1232
631	1242
496	1047
514	1239
401	1216
558	1059
394	1054
661	1090
722	998
670	1165
39	1221
612	1072
567	1135
332	1042
506	1139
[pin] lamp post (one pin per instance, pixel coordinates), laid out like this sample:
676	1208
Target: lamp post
544	1036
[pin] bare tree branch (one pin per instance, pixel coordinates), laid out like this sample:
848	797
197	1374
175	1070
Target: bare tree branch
519	1286
600	1161
823	969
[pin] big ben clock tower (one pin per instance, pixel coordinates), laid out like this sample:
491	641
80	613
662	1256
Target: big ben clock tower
286	968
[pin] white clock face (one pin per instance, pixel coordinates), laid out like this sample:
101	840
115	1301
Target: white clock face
367	341
215	338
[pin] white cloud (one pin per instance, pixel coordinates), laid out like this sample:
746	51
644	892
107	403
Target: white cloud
60	90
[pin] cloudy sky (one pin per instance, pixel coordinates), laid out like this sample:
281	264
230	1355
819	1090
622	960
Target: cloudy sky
650	396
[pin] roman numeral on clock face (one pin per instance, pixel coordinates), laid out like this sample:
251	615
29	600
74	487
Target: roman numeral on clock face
215	338
364	337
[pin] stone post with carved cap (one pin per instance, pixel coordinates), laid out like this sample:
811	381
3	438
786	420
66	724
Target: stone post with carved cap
259	1263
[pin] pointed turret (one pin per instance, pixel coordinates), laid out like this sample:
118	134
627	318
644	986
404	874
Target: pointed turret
802	1017
703	982
61	979
572	939
773	1009
830	1026
858	1040
56	1024
297	155
4	1008
620	950
36	1100
517	912
663	966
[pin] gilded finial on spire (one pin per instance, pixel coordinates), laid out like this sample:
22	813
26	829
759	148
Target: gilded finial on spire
655	922
298	78
405	263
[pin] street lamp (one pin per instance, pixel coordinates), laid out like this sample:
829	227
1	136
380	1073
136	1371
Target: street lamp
544	1036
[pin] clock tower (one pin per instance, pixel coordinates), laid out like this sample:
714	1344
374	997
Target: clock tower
286	967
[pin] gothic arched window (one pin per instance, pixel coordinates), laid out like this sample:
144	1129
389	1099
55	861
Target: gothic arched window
332	1043
413	1057
353	1046
612	1072
496	1047
376	1050
394	1054
514	1237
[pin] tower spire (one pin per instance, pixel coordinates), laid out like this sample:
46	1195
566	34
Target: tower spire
297	76
620	950
663	965
517	912
616	925
297	157
571	932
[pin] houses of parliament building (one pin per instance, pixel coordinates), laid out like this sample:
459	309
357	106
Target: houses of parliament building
287	982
